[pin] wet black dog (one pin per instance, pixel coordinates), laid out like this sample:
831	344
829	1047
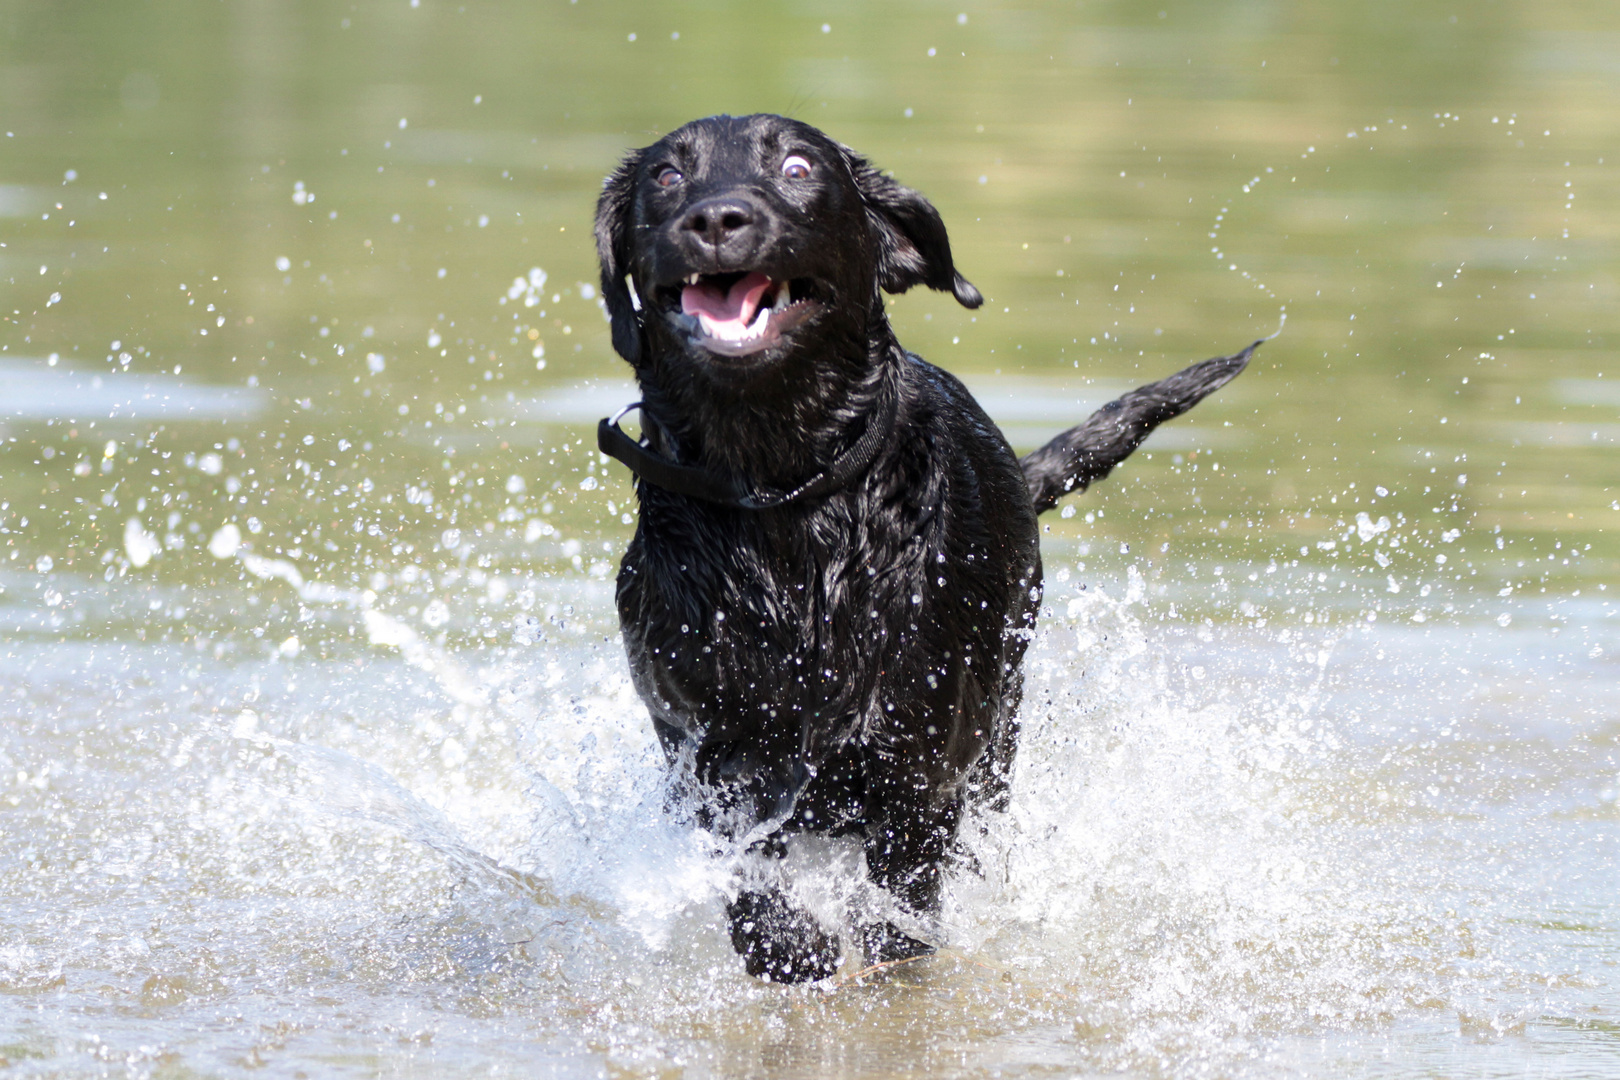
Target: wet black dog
836	569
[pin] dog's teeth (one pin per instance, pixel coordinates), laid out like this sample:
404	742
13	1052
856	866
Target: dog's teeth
784	296
692	279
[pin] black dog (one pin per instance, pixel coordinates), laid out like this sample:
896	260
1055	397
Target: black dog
836	569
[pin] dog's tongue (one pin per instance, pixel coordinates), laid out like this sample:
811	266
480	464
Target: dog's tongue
737	306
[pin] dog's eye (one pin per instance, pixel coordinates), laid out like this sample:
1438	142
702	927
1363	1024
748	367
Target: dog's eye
668	176
796	168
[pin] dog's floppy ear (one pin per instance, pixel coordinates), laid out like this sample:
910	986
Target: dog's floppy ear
613	228
913	248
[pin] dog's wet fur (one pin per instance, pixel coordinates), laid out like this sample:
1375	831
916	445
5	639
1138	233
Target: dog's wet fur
847	663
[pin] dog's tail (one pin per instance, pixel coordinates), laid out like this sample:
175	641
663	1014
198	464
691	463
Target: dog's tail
1089	452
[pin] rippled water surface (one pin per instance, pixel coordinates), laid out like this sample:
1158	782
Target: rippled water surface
318	754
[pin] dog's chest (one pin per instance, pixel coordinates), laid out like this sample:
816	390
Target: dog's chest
784	617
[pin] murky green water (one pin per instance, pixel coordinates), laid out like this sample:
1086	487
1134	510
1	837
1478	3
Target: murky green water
306	552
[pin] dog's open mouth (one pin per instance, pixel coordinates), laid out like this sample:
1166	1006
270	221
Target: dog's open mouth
741	313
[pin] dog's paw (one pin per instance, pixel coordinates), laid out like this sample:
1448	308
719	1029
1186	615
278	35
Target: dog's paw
779	942
884	944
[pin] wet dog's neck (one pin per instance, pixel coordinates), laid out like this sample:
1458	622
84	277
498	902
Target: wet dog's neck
780	427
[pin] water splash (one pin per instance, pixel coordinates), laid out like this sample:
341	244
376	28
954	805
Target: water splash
1195	867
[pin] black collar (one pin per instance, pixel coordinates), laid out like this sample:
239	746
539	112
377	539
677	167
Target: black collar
700	483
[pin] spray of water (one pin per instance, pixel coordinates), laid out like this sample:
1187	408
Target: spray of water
1169	874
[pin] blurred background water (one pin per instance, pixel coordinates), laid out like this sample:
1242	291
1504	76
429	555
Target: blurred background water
317	752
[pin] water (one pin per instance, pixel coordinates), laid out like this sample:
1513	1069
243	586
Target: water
317	751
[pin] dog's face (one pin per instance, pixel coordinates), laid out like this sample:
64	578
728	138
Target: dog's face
744	237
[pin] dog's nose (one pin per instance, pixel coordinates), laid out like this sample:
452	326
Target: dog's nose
715	221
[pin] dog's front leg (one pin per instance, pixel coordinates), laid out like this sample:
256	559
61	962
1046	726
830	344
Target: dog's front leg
751	792
906	847
778	940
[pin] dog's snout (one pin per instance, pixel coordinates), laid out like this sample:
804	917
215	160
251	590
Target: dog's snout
715	221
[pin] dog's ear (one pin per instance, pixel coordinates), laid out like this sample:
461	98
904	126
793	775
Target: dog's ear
913	248
613	250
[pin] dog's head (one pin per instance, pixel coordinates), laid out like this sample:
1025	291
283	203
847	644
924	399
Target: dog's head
739	235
